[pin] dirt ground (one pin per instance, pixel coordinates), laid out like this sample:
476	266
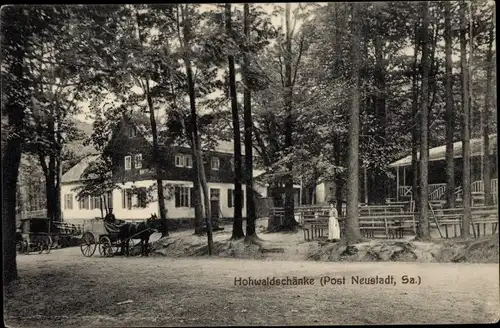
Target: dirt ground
180	286
63	288
292	246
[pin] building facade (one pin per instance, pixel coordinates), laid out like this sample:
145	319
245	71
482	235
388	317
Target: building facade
134	174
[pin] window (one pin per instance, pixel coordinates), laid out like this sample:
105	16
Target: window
95	202
128	162
215	163
230	198
138	161
183	160
83	204
131	199
142	198
182	196
188	161
68	201
179	161
132	132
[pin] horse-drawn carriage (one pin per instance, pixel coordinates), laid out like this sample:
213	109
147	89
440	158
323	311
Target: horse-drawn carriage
33	235
116	238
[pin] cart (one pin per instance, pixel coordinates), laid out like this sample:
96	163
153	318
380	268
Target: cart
97	234
33	235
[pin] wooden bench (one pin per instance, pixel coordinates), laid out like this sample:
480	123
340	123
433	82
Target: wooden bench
315	226
481	216
380	209
392	225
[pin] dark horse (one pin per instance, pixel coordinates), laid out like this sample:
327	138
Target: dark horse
142	230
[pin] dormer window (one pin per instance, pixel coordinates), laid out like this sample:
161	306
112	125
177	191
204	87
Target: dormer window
128	162
188	161
182	160
132	132
178	161
138	161
215	163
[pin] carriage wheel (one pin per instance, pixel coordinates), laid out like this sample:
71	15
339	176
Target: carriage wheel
130	249
106	247
88	244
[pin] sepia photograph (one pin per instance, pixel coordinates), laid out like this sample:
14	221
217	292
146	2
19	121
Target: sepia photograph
249	164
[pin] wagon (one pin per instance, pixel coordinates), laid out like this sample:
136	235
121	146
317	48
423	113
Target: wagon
33	235
98	234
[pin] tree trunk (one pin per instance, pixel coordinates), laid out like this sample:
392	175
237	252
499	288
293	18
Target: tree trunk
466	183
380	114
338	176
290	222
247	114
434	68
206	194
198	206
11	159
57	187
353	233
194	122
101	203
156	160
423	206
238	220
486	119
415	123
156	147
450	165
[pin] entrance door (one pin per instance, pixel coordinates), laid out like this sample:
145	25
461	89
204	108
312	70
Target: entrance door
215	206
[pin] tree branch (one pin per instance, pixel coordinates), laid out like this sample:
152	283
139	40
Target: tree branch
301	48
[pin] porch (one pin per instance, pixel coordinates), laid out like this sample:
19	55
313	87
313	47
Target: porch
437	191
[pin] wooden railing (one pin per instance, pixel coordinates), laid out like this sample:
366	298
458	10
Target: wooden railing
438	193
405	191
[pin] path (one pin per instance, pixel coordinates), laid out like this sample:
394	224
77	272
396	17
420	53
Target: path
64	288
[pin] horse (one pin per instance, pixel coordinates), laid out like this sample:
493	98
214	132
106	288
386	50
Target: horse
142	230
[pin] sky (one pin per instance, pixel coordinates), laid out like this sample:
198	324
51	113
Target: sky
275	20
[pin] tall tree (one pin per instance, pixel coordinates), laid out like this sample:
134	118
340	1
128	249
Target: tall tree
415	118
466	183
154	133
488	104
290	222
423	206
184	17
248	125
353	233
15	99
238	220
450	126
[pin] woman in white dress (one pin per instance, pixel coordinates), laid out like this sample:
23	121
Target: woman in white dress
333	225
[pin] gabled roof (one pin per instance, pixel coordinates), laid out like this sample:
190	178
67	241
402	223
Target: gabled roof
74	173
141	122
439	153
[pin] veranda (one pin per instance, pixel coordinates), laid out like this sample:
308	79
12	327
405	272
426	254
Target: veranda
437	172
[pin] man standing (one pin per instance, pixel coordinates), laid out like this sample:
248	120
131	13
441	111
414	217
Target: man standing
110	217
